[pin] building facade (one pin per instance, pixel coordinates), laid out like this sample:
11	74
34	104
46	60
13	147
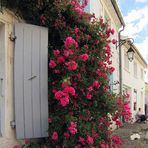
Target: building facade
133	79
109	11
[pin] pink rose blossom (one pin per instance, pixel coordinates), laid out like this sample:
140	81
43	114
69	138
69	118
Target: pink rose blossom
67	53
52	64
83	57
70	42
96	84
118	122
61	59
16	146
88	96
82	140
104	145
76	30
90	88
69	90
117	140
89	140
27	141
72	128
66	134
64	84
56	52
56	71
85	3
112	31
72	65
64	101
54	136
49	120
114	41
59	95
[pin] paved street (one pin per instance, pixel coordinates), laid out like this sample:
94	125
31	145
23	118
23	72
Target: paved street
129	129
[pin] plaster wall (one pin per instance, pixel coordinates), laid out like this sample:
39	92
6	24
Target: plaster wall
7	137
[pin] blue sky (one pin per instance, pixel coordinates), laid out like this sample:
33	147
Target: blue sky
135	13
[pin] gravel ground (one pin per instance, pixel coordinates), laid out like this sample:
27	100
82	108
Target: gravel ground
129	129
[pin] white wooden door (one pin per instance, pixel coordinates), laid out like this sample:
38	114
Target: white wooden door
31	81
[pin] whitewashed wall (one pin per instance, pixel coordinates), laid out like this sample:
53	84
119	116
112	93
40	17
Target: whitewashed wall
132	83
7	138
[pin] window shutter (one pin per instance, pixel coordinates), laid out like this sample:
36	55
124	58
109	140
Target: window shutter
31	81
111	82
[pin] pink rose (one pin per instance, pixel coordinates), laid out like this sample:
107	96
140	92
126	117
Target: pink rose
82	140
54	136
114	41
66	134
89	140
88	96
59	94
76	30
61	59
49	120
104	145
112	31
83	57
96	84
56	52
15	146
67	53
52	64
69	90
72	128
64	101
70	42
72	65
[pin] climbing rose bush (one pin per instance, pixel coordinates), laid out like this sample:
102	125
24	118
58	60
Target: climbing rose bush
80	65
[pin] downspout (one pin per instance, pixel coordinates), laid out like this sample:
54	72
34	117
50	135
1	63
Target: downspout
120	62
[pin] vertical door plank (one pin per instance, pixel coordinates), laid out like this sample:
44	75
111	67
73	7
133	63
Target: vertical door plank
27	81
19	81
35	82
44	81
31	81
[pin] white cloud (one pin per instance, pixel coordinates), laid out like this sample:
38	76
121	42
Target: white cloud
141	1
143	48
136	21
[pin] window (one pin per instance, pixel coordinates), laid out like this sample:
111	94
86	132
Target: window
95	7
126	62
135	70
135	100
107	18
141	73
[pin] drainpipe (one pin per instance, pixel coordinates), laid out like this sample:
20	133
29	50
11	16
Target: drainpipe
120	62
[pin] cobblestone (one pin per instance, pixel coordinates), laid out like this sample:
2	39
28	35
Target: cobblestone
128	129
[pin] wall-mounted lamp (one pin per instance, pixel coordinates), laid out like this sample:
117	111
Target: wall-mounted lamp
130	51
130	54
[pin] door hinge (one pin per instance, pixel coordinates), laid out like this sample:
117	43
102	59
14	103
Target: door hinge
13	124
12	37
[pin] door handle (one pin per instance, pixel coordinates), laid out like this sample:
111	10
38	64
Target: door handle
32	77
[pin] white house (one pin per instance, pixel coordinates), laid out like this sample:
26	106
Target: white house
134	79
146	98
109	10
23	80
